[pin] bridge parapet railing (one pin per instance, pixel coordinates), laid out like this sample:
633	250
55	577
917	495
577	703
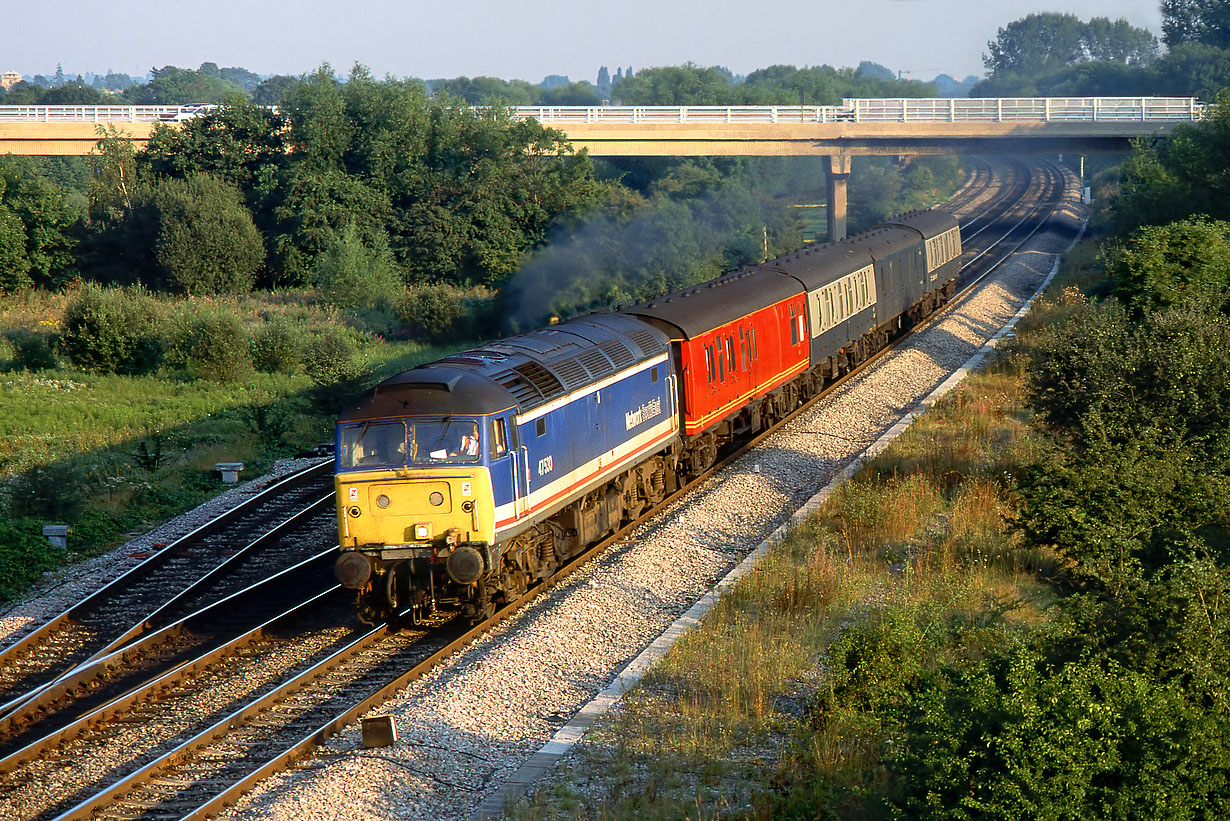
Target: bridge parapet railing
905	109
1026	109
681	114
87	113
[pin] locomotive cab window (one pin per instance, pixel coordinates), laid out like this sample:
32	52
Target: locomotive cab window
653	374
540	427
370	445
499	438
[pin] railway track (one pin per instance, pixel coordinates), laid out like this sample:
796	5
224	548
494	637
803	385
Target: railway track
261	536
214	764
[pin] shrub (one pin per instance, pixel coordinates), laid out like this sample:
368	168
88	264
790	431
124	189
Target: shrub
329	357
34	351
276	347
350	274
24	554
54	492
1014	739
210	341
445	313
1159	266
112	330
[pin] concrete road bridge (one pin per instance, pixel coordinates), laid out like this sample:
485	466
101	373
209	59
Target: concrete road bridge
864	127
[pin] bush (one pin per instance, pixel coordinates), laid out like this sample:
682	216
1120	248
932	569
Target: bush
210	341
112	330
34	351
50	492
276	347
24	554
349	274
1160	266
329	357
1012	738
445	313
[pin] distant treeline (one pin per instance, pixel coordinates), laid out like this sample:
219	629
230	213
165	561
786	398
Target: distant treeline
688	84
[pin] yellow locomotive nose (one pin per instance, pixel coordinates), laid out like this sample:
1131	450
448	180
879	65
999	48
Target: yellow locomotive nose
388	509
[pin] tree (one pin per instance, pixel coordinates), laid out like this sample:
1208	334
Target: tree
688	84
271	91
1178	177
206	242
1118	41
44	249
579	93
1036	44
1196	21
178	86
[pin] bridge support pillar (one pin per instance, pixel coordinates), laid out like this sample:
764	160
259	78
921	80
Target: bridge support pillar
837	172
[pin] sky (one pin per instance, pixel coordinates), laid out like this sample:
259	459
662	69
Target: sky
520	40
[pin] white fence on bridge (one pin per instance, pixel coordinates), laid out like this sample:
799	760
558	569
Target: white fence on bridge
900	110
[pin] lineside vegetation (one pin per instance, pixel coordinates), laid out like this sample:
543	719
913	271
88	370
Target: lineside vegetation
1017	611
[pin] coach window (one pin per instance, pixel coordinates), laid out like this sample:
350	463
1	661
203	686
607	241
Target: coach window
721	360
794	329
742	348
730	354
653	374
541	427
499	438
709	361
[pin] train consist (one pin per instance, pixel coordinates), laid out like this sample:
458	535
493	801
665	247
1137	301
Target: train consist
470	478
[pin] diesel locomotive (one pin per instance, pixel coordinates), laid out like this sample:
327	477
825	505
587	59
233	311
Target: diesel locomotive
468	479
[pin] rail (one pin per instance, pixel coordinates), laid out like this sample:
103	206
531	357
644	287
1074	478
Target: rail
897	109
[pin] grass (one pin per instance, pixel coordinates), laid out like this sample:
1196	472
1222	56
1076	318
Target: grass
114	454
786	700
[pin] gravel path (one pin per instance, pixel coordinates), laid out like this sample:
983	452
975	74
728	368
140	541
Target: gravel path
464	728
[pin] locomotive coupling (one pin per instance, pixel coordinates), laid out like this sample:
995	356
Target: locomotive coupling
465	564
353	570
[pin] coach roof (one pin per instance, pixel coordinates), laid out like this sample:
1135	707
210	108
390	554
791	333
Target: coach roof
696	311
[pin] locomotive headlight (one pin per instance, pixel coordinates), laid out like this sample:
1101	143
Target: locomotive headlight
422	532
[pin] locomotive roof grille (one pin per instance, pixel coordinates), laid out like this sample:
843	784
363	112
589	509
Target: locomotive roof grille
596	363
570	373
618	353
645	341
545	381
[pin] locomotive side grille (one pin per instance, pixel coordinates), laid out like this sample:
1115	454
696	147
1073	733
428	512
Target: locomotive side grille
645	341
618	352
596	363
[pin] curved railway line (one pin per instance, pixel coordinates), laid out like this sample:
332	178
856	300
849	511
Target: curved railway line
179	713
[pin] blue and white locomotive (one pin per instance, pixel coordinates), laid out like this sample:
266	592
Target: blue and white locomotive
471	477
